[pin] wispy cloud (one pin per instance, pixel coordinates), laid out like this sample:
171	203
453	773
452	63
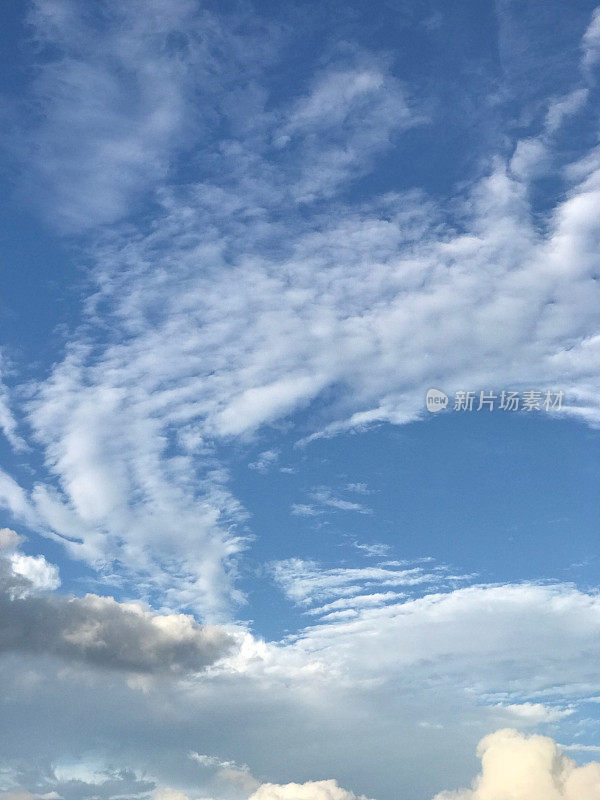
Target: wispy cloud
265	461
322	499
308	583
226	315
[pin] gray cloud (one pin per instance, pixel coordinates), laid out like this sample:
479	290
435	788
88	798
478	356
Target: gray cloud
101	632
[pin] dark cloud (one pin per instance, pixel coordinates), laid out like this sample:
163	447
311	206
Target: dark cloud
101	631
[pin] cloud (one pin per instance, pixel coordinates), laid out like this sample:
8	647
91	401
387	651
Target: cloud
437	631
430	674
113	100
352	112
322	500
375	549
518	767
263	287
268	280
359	488
36	571
311	790
580	748
228	773
536	713
74	781
8	422
118	100
97	631
9	539
563	107
306	582
166	793
591	41
265	460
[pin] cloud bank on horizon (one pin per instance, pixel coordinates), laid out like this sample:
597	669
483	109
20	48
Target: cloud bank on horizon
514	767
263	234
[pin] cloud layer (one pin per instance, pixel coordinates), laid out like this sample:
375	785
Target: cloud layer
225	318
281	277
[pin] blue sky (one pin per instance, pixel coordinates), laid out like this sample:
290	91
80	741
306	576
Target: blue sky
239	558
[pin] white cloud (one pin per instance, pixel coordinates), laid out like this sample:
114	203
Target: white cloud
470	633
375	549
311	790
359	488
306	582
516	767
238	303
166	793
591	41
264	461
322	499
355	602
536	713
114	107
9	539
580	748
212	761
530	159
352	112
8	422
241	303
36	570
563	107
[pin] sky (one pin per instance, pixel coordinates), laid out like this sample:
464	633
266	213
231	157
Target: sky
299	400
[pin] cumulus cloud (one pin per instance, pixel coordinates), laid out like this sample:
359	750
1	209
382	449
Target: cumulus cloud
166	793
311	790
94	630
518	767
36	570
9	539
